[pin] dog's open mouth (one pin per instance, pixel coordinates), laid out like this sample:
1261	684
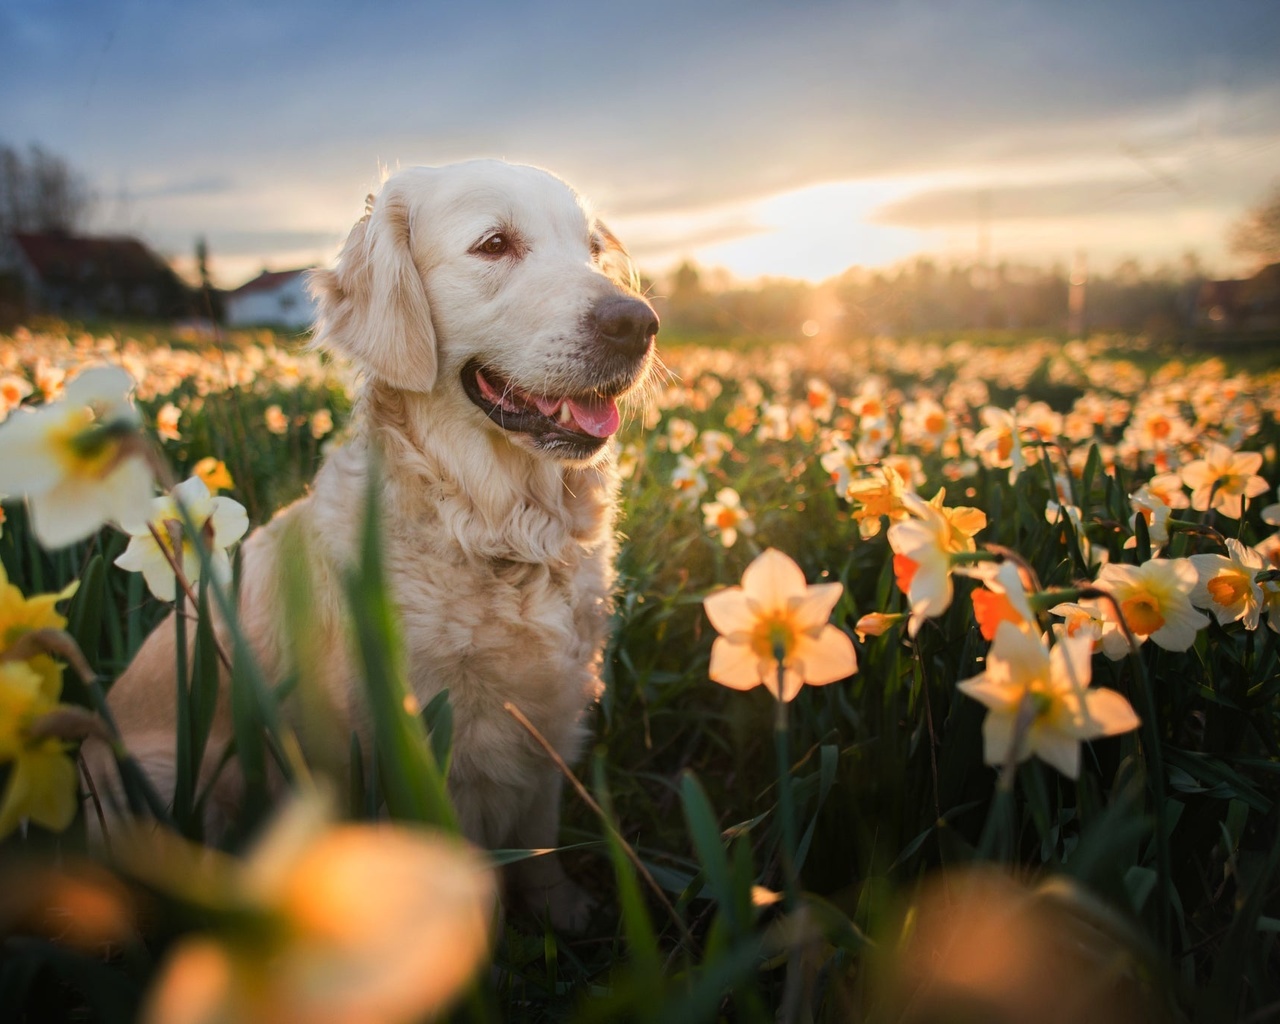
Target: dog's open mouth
581	423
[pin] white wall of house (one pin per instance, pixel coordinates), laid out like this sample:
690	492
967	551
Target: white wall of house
286	304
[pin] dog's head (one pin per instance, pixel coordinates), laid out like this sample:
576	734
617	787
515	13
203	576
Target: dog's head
489	286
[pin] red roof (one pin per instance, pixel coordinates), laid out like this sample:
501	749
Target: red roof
57	256
267	281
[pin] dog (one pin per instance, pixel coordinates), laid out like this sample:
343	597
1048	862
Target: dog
497	326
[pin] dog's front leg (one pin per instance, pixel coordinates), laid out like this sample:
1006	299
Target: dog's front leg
540	882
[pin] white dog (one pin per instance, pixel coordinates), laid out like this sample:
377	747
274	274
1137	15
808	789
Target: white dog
484	304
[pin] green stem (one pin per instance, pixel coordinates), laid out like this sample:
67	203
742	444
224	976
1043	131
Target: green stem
786	797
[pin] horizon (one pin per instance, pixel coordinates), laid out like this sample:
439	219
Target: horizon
768	142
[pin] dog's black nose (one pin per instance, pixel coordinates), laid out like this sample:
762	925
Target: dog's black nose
626	325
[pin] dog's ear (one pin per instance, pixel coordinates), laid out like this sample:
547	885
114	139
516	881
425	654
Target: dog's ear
373	306
613	257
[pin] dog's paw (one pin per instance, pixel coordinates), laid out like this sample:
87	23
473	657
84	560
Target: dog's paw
567	905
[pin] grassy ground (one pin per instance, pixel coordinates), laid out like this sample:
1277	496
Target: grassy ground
887	873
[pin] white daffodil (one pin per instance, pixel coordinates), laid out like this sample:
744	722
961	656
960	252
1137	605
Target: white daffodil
219	523
776	625
1228	585
1040	702
1155	601
78	461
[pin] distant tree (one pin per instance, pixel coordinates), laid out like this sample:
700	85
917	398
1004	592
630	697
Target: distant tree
210	299
39	191
1257	236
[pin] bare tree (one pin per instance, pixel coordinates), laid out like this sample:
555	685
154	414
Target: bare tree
39	191
1257	235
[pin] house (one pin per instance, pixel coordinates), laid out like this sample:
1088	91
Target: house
278	298
1249	307
91	276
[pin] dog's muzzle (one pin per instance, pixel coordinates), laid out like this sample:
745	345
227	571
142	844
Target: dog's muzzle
578	422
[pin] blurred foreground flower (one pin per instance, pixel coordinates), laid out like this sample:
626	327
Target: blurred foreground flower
220	521
977	945
322	924
80	462
41	786
774	625
1040	701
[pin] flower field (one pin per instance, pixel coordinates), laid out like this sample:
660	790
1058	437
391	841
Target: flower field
944	685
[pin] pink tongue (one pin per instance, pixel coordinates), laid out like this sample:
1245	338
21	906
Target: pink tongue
598	417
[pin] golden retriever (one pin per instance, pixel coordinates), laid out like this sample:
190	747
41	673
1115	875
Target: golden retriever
484	304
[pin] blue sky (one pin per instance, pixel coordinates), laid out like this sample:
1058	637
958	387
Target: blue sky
762	137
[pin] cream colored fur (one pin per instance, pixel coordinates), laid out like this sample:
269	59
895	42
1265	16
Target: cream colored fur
499	554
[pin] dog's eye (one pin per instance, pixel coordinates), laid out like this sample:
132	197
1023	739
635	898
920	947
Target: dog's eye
496	244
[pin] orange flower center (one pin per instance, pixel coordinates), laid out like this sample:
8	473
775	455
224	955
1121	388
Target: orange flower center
772	638
904	571
1142	613
1228	590
726	518
935	423
991	609
1004	447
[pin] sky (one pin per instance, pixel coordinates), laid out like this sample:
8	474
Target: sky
768	139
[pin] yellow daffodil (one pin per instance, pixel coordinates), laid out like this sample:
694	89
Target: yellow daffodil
1227	584
78	460
1223	479
42	777
879	494
322	924
214	473
726	517
220	522
775	624
1155	601
1039	702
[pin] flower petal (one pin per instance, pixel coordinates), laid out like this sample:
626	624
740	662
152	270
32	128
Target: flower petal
729	611
734	664
828	658
773	579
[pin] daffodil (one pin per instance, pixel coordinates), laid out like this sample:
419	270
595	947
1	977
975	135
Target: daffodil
775	625
1080	618
321	924
214	473
726	516
1039	701
1154	601
1002	599
20	615
1227	584
219	523
42	777
923	547
879	494
1155	511
78	461
1223	479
